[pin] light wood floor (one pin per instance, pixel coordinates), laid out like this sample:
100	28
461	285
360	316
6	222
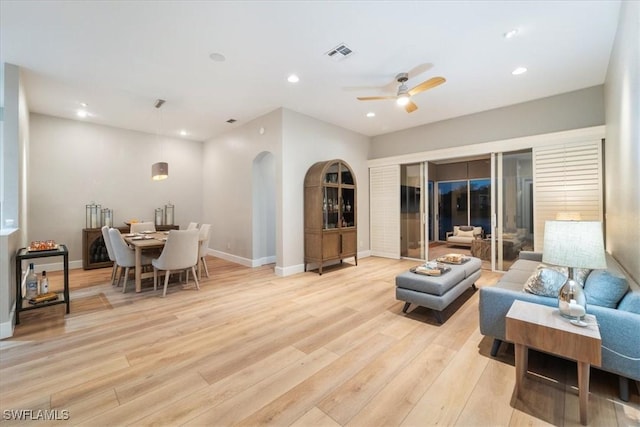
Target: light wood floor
251	348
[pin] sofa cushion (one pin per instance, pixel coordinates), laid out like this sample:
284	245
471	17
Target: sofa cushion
630	302
463	233
465	228
545	282
605	289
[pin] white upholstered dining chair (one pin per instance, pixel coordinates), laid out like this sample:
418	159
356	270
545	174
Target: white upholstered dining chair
205	231
112	256
139	227
192	225
125	256
180	252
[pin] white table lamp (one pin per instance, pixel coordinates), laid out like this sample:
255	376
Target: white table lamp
573	244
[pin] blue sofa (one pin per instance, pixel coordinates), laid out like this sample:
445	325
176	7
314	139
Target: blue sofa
619	325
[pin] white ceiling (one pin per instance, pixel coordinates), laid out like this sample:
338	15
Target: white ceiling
119	57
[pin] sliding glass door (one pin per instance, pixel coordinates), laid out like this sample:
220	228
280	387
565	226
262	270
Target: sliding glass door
452	206
412	230
513	231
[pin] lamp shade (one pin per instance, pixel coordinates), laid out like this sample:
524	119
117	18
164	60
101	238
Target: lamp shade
577	244
159	171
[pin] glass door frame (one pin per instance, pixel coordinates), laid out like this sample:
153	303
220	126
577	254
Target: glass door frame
423	243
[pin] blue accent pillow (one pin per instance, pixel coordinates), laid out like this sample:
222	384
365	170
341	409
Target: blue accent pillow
604	289
630	302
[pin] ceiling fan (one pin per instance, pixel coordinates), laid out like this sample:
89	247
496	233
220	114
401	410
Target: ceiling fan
403	97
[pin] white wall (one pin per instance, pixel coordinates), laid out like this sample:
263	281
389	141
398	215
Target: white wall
622	147
297	142
14	143
227	184
573	110
72	163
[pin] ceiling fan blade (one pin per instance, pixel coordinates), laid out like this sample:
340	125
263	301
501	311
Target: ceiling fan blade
392	86
375	98
429	84
411	107
419	69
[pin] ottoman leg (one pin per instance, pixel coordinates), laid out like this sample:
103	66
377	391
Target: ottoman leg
406	307
438	316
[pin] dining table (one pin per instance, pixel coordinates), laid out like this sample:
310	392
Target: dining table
144	242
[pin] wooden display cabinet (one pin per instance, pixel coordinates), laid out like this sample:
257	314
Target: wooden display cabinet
330	214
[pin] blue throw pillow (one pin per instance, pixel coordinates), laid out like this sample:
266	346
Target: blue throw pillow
630	302
604	289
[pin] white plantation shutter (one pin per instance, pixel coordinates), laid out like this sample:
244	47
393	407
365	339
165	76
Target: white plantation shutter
384	201
567	178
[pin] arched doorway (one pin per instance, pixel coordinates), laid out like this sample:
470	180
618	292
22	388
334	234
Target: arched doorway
264	209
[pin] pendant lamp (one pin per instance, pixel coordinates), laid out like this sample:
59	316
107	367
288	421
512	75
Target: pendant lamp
159	170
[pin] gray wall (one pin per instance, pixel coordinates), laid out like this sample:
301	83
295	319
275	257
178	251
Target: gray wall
72	163
622	147
572	110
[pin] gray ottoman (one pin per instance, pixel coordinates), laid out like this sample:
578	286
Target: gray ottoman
437	292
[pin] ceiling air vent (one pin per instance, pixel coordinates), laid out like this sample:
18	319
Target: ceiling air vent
340	52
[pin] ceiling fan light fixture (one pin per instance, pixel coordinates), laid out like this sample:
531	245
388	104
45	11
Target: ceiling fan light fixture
403	99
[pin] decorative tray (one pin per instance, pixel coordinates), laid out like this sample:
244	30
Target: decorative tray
453	259
430	269
39	246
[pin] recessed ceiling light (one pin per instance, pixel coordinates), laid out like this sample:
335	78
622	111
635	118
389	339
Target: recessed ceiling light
293	78
84	104
371	114
183	133
511	33
518	71
217	57
82	114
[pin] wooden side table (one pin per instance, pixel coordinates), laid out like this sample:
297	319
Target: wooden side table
481	248
541	327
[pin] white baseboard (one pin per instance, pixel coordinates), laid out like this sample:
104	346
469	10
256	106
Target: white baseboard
230	257
263	261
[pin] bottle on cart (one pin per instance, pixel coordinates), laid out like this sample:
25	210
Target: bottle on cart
44	283
32	283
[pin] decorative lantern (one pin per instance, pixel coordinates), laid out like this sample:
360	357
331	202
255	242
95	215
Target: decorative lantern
92	215
158	216
107	217
168	214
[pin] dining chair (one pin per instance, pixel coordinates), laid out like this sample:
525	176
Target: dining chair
192	225
139	227
112	256
180	252
125	256
203	247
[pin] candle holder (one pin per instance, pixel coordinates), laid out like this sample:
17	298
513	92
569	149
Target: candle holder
92	212
158	216
168	214
106	217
